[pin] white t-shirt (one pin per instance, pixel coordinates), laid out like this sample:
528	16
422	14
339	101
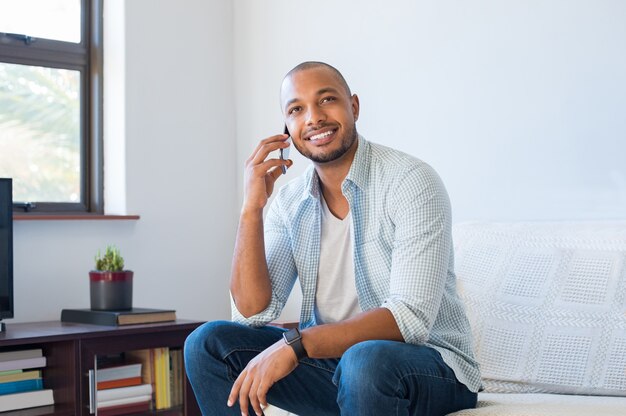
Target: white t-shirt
335	297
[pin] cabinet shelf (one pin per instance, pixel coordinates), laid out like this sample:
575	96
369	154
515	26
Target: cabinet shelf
70	350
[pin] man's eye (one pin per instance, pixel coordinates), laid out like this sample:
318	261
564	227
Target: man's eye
328	99
293	110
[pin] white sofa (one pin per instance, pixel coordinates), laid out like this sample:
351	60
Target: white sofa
547	304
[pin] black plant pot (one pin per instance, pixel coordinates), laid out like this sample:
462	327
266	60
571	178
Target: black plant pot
111	290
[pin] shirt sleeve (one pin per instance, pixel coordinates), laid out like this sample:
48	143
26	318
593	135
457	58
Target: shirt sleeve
420	210
281	266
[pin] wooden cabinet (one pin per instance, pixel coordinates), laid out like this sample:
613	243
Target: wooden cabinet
71	349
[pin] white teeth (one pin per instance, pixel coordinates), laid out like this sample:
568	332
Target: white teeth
321	136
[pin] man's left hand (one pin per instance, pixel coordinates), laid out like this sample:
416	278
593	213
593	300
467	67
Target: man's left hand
252	385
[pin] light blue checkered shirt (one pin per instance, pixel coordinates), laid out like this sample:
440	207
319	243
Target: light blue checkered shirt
403	251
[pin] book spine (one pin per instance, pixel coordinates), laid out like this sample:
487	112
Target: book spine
158	394
119	372
20	375
88	317
124	409
166	376
123	401
25	400
122	382
21	386
123	392
179	377
173	377
20	354
23	364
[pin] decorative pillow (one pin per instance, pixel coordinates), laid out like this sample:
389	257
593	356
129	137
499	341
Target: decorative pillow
547	304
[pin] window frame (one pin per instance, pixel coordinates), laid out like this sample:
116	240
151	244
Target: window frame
85	57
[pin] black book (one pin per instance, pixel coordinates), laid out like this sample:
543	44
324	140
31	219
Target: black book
115	318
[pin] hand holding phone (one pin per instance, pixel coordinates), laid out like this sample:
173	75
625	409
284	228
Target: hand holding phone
284	153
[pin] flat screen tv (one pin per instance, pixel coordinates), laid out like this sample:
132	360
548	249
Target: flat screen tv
6	250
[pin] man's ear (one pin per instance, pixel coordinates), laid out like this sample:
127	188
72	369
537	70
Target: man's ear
355	106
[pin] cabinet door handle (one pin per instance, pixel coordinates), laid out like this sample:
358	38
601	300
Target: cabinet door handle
92	391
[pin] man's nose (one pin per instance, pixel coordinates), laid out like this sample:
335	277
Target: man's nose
315	116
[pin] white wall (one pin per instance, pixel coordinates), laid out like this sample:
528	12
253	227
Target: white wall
520	106
179	127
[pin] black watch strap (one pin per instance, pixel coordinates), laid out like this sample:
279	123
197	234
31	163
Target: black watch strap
293	338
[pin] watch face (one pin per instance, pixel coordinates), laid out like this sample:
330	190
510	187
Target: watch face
291	335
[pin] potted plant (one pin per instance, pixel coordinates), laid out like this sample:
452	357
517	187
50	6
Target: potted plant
110	286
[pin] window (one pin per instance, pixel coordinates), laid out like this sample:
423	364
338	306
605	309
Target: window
50	104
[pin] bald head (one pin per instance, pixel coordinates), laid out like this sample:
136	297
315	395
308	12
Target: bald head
320	65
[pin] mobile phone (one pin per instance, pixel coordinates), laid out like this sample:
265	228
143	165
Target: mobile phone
284	153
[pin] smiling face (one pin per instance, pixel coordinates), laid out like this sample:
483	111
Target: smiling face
320	114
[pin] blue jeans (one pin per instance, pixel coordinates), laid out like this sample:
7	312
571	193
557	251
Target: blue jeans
376	378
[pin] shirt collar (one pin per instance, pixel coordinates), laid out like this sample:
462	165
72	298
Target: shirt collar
358	173
360	168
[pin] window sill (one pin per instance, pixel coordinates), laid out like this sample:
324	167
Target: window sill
65	217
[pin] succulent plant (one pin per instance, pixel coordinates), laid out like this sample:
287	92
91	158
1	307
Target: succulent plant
112	261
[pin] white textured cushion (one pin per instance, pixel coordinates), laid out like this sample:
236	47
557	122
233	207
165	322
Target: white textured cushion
547	304
275	411
492	404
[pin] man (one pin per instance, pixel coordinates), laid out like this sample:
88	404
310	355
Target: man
366	231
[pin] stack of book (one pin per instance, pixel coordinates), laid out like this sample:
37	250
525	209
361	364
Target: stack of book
121	390
163	369
21	383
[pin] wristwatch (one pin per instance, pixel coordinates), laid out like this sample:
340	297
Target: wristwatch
293	338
